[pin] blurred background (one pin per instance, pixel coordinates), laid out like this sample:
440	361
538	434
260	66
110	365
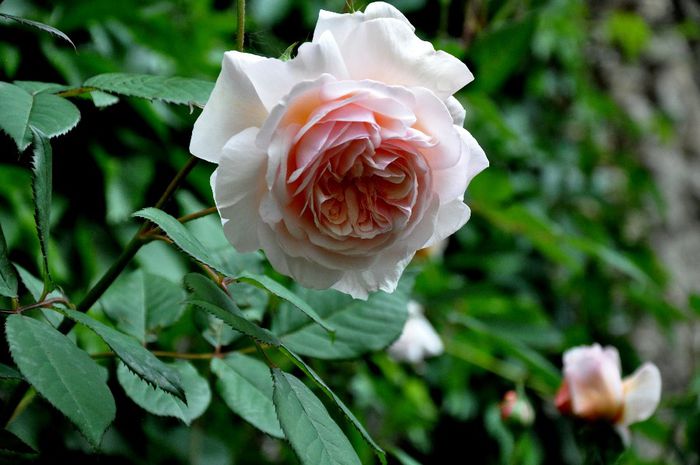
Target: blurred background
586	227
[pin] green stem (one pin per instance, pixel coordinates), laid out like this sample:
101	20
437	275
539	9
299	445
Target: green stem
196	215
75	92
129	251
241	24
8	411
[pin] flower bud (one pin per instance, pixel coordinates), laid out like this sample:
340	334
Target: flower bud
516	409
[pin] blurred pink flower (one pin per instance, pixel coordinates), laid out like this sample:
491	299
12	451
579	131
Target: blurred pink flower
515	408
418	340
593	388
344	161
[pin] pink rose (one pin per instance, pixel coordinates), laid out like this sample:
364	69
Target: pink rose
345	160
593	387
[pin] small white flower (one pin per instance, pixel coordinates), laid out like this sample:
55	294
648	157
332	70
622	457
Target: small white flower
418	340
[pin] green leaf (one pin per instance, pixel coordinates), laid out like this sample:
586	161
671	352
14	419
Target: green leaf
11	443
8	274
284	293
336	400
103	99
21	110
140	303
179	234
161	403
169	89
65	375
37	87
189	244
42	167
41	26
31	282
246	387
7	372
15	109
361	326
207	296
134	355
314	436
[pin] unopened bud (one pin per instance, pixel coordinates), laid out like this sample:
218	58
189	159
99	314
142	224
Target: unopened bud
515	408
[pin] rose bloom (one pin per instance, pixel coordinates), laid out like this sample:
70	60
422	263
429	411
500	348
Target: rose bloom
418	340
345	160
593	388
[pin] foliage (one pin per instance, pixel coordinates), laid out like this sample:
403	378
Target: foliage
197	348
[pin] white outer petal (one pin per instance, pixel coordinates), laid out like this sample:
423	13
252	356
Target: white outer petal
456	110
383	276
387	50
341	25
239	185
305	272
642	394
273	79
232	107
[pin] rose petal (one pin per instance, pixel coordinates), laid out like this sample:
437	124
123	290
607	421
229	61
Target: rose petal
403	59
232	107
642	394
594	381
384	275
307	273
450	184
614	356
238	185
451	217
456	110
274	79
477	158
435	120
341	25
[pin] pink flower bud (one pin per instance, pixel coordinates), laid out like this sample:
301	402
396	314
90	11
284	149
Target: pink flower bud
515	408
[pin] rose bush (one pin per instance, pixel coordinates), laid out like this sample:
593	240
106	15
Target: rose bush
593	388
344	161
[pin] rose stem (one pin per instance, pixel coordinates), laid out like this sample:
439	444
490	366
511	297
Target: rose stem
241	24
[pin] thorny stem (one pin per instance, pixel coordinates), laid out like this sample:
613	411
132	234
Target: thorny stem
241	24
183	355
43	303
129	251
